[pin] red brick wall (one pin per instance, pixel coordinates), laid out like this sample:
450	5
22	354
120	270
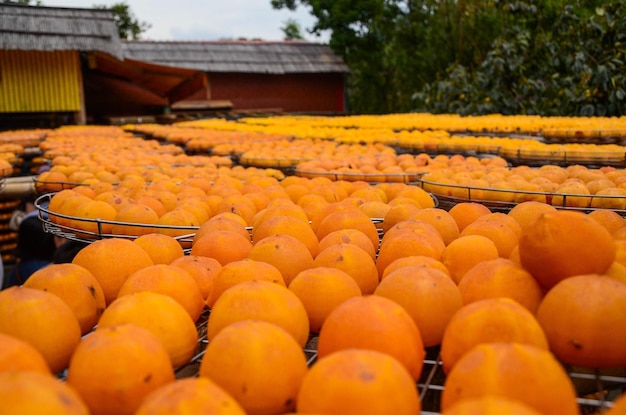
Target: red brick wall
290	93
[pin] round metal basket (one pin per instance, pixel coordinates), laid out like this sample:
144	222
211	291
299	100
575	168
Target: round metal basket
94	229
504	200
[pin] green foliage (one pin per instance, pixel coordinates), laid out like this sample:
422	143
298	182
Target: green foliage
291	30
577	68
549	57
128	26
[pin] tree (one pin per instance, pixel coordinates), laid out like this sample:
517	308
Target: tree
573	66
291	30
548	57
128	26
396	47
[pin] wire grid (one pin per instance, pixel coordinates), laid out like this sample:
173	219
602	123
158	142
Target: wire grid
521	156
596	389
367	177
185	234
43	187
568	200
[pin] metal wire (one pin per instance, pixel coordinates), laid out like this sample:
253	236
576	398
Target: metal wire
448	200
596	393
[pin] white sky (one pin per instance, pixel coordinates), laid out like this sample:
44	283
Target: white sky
207	19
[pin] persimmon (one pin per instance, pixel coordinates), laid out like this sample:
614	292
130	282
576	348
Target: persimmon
42	320
376	323
197	394
429	296
465	252
526	213
619	406
572	194
111	261
136	219
562	244
418	194
169	280
260	300
19	355
501	278
354	261
349	235
349	218
358	382
610	219
488	321
399	213
225	221
285	252
27	392
52	181
163	249
68	208
321	290
76	286
285	209
178	223
287	225
169	321
408	242
584	318
223	245
442	220
258	363
203	269
115	368
498	369
239	271
415	260
503	236
490	405
153	203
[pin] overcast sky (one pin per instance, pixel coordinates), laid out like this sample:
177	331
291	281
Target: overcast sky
207	19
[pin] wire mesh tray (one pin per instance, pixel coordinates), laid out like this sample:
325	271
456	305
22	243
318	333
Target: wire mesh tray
270	162
367	177
595	389
44	186
90	230
563	157
503	199
579	135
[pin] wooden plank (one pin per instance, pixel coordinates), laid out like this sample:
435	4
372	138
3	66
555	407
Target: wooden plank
201	105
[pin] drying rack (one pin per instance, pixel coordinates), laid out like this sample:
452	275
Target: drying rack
447	193
596	389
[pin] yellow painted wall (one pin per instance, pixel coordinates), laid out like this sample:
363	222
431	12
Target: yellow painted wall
32	81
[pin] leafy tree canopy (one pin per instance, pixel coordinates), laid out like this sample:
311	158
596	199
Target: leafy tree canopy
128	26
557	57
291	30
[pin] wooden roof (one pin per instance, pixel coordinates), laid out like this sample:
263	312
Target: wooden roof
56	28
238	56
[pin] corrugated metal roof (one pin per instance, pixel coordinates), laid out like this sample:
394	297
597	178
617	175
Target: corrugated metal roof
55	28
239	56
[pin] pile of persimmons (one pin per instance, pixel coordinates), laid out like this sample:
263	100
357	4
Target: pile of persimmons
215	288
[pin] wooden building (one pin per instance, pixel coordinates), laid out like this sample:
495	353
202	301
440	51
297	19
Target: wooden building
68	66
40	61
290	76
